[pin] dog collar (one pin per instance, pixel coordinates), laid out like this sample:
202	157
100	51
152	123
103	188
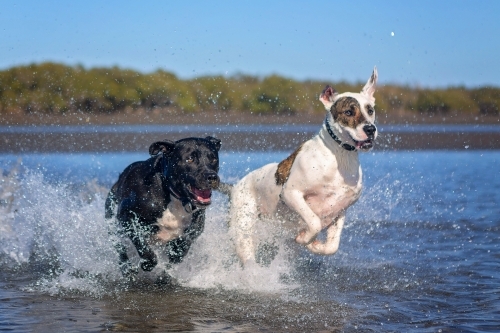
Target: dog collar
186	203
175	194
164	166
346	146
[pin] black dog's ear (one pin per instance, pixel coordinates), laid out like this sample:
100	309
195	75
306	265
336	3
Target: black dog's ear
161	147
214	141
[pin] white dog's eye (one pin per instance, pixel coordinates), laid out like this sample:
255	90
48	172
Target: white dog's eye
370	111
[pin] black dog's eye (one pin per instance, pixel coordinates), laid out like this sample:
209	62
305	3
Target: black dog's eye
212	159
348	113
189	160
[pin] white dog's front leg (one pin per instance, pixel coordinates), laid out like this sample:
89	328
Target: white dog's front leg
331	245
294	199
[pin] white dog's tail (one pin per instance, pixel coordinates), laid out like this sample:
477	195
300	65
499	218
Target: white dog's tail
225	189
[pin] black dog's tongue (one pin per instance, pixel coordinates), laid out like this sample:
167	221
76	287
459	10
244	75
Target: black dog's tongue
202	196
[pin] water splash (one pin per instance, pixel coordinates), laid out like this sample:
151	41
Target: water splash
58	230
60	233
9	188
213	263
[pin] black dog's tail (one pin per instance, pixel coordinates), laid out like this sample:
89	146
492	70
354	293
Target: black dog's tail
110	205
225	189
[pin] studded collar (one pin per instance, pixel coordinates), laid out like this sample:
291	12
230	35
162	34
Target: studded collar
346	146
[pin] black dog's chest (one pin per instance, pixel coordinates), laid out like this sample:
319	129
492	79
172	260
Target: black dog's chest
171	223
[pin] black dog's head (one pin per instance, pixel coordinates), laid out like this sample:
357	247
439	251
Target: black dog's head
190	166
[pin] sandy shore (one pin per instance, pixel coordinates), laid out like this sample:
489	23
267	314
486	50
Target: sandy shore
159	116
85	141
74	142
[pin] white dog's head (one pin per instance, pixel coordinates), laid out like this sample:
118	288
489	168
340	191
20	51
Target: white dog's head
352	115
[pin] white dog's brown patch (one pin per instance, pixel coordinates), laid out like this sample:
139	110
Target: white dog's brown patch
347	112
283	170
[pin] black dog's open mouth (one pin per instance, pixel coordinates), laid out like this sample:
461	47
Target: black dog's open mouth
202	197
364	145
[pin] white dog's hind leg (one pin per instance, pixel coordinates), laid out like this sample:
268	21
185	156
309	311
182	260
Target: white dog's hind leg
331	245
243	216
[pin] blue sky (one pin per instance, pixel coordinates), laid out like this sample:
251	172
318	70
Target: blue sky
419	43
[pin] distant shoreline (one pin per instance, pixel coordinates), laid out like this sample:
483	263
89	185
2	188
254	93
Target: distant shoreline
50	138
160	116
137	140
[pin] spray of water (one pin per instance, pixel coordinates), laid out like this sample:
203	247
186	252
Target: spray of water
213	263
60	233
57	231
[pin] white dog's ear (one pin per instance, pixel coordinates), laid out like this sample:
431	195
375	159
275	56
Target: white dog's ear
327	97
369	88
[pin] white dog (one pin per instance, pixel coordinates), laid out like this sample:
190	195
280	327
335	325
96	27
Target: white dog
316	183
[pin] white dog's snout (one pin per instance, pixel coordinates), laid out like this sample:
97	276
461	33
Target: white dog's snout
370	130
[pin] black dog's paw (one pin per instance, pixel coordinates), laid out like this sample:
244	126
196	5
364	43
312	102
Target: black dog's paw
177	249
148	259
148	265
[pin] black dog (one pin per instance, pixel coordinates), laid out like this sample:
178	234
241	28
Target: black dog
162	200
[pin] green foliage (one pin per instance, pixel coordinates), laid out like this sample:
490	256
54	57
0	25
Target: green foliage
430	101
442	101
274	95
214	93
56	88
487	99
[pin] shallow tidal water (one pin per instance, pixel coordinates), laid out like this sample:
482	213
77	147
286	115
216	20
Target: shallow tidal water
420	252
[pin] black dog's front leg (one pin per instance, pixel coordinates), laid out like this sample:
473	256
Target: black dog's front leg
138	238
125	265
178	248
137	234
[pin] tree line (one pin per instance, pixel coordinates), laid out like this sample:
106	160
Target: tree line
56	88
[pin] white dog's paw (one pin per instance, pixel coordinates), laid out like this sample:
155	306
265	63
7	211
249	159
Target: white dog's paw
322	248
316	247
305	238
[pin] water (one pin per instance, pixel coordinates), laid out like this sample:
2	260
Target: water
420	252
240	128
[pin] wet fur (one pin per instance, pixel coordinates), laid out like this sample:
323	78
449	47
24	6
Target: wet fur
316	183
153	202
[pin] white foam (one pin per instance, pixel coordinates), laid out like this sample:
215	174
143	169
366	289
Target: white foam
213	263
